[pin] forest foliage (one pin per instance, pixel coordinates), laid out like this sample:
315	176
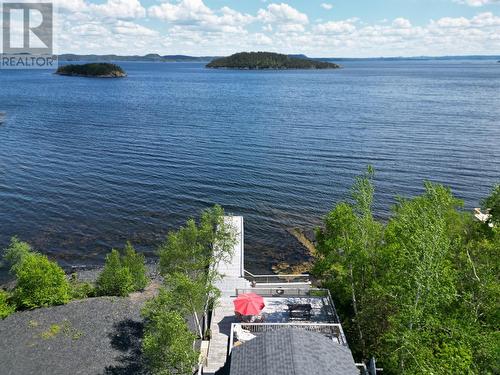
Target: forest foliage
268	60
419	292
92	70
188	263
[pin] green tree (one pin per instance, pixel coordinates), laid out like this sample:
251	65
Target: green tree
114	279
422	294
135	262
346	253
164	301
190	295
122	274
492	203
168	342
194	248
183	252
478	286
419	281
189	260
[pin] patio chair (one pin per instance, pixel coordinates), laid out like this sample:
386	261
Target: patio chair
243	335
258	318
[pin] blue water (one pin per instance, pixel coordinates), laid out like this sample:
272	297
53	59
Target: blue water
86	164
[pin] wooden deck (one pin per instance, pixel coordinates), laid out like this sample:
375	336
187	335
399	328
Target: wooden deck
223	314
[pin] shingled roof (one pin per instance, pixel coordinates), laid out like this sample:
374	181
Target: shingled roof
291	351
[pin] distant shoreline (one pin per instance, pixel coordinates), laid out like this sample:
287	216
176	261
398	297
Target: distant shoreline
204	59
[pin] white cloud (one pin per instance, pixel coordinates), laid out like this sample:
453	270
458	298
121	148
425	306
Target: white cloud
262	39
292	28
282	13
133	29
401	23
186	10
72	5
477	3
195	13
127	9
336	27
327	6
90	29
485	20
453	22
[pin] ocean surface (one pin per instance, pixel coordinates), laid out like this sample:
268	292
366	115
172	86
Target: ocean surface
86	164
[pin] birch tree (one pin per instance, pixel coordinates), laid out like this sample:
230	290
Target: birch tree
347	246
189	259
419	279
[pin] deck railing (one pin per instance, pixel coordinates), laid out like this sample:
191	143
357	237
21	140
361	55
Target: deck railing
277	279
332	331
285	292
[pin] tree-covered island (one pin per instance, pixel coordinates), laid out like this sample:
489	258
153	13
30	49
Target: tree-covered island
267	60
96	70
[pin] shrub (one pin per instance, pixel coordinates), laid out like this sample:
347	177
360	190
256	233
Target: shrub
135	262
122	274
79	289
115	279
5	307
40	282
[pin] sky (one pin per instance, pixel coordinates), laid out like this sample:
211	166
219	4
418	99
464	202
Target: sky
317	28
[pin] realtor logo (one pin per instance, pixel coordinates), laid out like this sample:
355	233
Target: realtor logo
27	36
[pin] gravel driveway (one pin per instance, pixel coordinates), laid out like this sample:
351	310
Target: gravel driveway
91	336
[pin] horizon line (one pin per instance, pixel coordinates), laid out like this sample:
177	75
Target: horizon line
290	54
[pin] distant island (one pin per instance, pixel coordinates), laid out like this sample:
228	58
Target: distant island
96	70
268	60
151	57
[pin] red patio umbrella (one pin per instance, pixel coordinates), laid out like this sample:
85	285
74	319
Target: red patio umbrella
249	304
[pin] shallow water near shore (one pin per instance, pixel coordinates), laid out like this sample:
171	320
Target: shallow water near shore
86	164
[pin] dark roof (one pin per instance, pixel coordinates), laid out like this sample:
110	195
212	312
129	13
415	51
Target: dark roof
292	351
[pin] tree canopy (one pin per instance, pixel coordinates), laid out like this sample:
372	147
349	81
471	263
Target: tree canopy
421	291
492	204
92	70
268	60
188	262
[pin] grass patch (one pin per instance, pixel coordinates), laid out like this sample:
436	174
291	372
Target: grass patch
66	328
51	332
